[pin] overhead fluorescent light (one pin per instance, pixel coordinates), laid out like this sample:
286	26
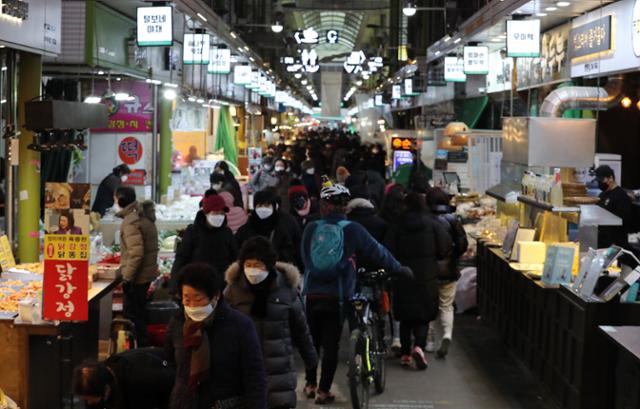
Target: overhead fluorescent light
457	40
170	85
122	96
202	17
541	14
563	3
551	8
232	34
92	99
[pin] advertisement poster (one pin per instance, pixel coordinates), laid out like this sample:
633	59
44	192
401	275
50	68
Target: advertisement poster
67	208
127	116
66	278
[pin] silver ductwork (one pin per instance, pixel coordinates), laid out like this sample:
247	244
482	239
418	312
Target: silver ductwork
594	98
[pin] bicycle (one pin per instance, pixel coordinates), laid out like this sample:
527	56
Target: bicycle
367	344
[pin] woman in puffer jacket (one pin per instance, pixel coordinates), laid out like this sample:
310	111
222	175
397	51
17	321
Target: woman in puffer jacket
266	291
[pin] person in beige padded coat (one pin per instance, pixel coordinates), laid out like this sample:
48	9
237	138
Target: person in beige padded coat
139	255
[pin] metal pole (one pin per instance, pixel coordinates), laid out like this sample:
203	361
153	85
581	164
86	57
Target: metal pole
154	146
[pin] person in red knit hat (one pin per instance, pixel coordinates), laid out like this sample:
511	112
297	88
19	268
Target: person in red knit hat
301	206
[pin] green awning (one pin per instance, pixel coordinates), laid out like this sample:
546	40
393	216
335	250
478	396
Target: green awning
471	110
226	138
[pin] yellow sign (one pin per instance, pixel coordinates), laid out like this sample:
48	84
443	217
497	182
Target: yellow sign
6	254
66	247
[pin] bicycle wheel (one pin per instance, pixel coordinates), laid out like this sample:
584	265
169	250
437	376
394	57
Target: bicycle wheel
358	377
378	354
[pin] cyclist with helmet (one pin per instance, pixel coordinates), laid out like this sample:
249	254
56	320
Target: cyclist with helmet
330	247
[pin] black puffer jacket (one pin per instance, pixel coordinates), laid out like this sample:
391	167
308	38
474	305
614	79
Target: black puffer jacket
364	212
279	229
284	327
205	244
450	266
417	241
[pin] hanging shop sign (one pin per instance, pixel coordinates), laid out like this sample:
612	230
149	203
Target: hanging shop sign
523	38
354	62
242	74
588	41
408	87
454	70
254	84
401	158
220	61
127	116
635	28
196	49
476	60
33	25
155	26
66	277
396	92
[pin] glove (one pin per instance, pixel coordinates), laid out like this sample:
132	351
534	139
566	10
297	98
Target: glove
405	272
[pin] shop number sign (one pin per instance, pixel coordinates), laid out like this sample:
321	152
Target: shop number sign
66	277
154	26
523	38
130	150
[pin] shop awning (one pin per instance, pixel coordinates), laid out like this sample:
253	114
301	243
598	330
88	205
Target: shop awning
471	110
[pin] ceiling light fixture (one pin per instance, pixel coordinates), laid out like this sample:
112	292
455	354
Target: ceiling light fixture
457	40
551	8
203	18
626	102
277	27
563	3
409	9
232	34
170	94
92	99
541	14
122	96
359	82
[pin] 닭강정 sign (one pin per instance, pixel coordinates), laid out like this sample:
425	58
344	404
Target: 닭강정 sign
523	38
476	60
155	26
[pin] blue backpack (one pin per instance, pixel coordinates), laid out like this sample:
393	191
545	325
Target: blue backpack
327	245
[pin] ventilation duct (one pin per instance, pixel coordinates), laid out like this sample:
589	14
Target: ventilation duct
595	98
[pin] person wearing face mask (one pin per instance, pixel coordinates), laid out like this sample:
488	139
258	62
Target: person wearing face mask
207	240
268	221
614	199
230	183
107	189
138	255
302	208
284	179
311	179
135	379
264	178
215	349
266	290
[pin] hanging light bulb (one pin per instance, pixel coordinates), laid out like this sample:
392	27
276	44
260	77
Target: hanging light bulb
277	27
409	9
170	94
626	102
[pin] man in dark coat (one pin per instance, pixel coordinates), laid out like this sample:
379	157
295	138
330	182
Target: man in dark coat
280	320
108	187
417	241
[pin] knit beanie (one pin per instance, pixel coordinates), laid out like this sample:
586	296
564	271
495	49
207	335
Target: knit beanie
214	203
258	248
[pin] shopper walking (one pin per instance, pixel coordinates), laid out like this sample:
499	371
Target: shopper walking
282	187
236	216
266	290
134	379
208	240
268	221
264	178
329	249
138	257
230	183
419	242
302	208
311	179
107	189
214	348
448	270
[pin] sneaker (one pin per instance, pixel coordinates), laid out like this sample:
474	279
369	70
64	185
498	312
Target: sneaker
324	398
405	360
310	391
431	346
444	348
418	357
396	348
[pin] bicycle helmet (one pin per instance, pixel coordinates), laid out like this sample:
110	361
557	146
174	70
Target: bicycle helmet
335	193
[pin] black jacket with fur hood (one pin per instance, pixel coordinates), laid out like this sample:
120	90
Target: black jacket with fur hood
283	327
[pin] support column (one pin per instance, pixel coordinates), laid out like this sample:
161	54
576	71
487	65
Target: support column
29	87
166	145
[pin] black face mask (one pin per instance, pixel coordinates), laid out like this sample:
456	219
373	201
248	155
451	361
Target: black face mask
602	185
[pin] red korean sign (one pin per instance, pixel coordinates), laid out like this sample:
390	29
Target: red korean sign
66	278
130	150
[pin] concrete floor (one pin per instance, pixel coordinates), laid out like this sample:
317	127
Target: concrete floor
479	373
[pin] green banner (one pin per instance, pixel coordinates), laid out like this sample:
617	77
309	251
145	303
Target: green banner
226	137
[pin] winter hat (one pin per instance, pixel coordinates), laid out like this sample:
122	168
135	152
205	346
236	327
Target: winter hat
297	190
342	174
357	185
214	203
258	248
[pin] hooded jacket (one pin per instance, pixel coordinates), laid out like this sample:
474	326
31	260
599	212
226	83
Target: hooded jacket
364	212
450	266
139	243
418	241
283	327
205	244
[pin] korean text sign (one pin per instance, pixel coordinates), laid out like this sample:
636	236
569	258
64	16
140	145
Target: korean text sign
155	26
523	38
66	278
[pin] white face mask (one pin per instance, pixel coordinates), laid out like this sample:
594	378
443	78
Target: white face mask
124	178
311	171
255	275
215	220
217	186
199	313
264	212
279	169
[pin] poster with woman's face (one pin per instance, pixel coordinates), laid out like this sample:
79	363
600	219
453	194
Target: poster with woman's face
61	196
67	221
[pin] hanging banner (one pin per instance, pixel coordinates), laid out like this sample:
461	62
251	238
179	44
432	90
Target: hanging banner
195	49
454	70
220	61
242	74
155	26
396	92
523	38
476	60
127	116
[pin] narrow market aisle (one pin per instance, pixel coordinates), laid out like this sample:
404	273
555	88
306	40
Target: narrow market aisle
479	373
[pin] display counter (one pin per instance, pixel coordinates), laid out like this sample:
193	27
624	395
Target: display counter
625	343
552	330
37	360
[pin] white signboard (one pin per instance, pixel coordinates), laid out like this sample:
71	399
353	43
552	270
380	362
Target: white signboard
309	60
396	92
354	62
499	77
220	61
281	96
155	26
523	38
195	49
454	69
635	26
35	28
308	36
242	74
476	60
378	100
254	84
408	86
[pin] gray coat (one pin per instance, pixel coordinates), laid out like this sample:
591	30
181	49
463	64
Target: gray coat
284	327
